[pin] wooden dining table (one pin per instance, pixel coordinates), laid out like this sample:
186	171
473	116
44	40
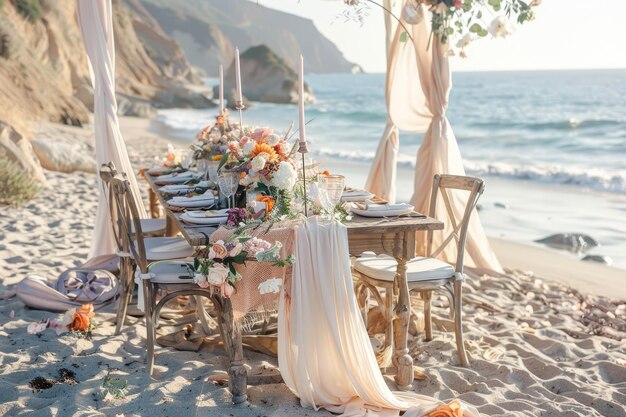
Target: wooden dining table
394	236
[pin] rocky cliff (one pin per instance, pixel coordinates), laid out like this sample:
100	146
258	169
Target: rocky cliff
266	78
208	30
43	64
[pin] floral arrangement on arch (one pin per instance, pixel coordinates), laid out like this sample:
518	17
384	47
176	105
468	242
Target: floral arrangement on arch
266	167
458	23
215	265
214	138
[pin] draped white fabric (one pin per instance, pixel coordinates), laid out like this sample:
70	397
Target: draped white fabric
418	86
324	351
96	25
382	176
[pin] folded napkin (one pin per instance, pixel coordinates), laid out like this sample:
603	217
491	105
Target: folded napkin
208	195
356	193
370	206
186	174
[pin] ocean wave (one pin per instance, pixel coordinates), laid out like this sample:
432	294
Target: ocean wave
561	125
595	179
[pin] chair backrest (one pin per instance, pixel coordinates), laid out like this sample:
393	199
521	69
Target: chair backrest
107	173
126	220
456	231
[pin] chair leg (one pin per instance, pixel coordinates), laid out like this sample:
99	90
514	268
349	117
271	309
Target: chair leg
388	316
458	323
150	331
428	323
126	281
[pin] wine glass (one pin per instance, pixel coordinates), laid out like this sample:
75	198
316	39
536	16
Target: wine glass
228	183
330	191
212	170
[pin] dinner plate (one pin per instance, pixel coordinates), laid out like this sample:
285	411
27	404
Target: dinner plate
393	210
197	217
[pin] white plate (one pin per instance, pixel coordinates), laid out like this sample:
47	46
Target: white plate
395	210
187	218
350	196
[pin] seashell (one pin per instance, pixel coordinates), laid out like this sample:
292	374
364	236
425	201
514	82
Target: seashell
412	13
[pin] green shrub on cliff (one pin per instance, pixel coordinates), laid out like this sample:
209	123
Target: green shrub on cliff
16	186
30	9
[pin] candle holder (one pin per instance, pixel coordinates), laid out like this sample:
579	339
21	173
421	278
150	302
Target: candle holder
240	106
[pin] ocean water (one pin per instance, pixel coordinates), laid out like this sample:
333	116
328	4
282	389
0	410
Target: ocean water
542	133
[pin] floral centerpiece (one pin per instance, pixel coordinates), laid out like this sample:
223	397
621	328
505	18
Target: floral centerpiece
215	265
266	168
214	138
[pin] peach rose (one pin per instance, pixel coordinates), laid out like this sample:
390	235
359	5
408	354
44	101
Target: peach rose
227	290
447	410
80	320
236	250
217	274
218	250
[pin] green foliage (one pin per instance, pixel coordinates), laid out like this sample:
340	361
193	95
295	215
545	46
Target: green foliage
16	186
30	9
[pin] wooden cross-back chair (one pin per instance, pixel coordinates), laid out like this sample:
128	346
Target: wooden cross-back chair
426	274
176	279
149	227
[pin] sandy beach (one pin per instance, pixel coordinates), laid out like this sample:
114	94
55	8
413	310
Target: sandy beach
548	338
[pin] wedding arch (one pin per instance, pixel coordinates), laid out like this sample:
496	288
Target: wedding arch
419	43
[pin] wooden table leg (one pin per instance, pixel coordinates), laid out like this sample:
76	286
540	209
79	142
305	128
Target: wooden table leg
401	358
155	213
231	335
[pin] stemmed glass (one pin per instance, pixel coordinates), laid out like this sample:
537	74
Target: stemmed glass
330	191
228	183
212	170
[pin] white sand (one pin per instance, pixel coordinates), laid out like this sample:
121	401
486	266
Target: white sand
537	348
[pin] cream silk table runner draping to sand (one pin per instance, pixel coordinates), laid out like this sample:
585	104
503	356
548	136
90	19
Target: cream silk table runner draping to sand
417	89
96	25
324	351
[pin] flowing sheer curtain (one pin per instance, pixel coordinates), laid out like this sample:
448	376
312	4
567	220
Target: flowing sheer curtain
382	176
96	24
418	87
324	351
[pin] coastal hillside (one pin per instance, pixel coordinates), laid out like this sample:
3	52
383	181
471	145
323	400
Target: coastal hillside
209	30
40	41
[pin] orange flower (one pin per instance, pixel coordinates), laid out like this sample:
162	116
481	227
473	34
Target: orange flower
216	157
265	148
81	318
325	173
447	410
269	203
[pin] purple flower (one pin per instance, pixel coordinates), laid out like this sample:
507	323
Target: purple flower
235	216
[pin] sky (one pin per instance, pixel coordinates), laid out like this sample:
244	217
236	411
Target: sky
566	34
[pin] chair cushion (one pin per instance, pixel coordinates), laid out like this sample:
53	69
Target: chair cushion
383	267
150	226
165	248
172	272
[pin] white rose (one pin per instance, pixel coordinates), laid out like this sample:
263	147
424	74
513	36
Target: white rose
248	147
245	181
272	285
273	139
285	177
217	274
499	27
465	41
258	163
